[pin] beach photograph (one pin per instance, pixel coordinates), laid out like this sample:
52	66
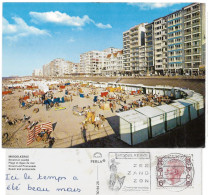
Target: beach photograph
103	75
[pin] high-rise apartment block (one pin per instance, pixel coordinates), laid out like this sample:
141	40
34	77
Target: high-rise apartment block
149	47
57	68
194	37
160	45
133	45
38	72
126	52
174	44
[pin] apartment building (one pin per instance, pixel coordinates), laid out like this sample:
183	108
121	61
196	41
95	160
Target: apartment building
94	62
114	64
46	70
133	45
57	68
141	55
149	47
194	38
76	69
175	42
126	52
111	50
38	72
160	45
137	40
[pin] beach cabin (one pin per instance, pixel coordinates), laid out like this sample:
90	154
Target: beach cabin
156	119
169	91
97	85
184	115
149	89
159	90
171	116
200	104
192	107
112	84
103	84
177	92
127	87
133	127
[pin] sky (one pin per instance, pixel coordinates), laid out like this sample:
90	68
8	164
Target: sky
36	33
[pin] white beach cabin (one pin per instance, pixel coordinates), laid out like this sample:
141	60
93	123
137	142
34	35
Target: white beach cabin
133	127
156	119
171	116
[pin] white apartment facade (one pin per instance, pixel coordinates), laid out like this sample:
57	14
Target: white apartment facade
160	45
94	62
137	41
38	72
114	64
126	51
76	69
57	68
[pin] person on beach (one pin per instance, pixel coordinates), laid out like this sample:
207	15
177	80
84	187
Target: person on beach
111	106
51	142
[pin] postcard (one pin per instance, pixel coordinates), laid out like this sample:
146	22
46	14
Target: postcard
103	97
75	77
107	171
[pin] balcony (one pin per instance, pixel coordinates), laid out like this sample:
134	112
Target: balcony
187	46
188	60
196	38
196	23
196	45
149	59
186	19
148	34
196	16
187	12
196	31
187	32
188	39
197	59
196	9
198	52
188	53
187	26
196	65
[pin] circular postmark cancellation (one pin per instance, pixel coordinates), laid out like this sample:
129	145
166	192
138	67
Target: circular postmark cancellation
175	172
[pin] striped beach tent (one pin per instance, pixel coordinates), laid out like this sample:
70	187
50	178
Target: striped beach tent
33	133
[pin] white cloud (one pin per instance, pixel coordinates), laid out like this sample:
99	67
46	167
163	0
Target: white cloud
103	26
64	19
150	6
20	29
59	18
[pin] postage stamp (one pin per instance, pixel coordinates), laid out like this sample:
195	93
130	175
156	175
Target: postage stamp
175	172
137	177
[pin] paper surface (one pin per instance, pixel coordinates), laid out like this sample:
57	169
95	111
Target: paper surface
107	171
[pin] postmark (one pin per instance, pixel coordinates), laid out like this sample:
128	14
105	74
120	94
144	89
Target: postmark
129	171
175	172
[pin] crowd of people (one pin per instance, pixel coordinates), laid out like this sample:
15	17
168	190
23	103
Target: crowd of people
116	101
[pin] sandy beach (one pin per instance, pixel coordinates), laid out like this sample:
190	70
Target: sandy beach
67	126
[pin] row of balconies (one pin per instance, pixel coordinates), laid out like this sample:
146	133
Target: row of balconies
191	10
197	59
191	17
